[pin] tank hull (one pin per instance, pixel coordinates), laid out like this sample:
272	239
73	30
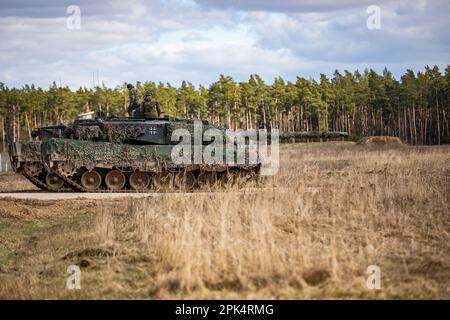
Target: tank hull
96	166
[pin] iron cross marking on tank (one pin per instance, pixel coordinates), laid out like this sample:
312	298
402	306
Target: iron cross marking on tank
152	130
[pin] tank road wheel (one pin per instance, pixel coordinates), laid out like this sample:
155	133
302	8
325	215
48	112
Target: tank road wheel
139	180
53	181
115	180
207	179
33	169
163	181
91	180
66	169
185	180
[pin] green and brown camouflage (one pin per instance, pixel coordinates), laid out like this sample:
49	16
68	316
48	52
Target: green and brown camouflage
26	159
107	155
74	159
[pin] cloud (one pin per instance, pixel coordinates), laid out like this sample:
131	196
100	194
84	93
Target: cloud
415	35
304	6
188	45
198	40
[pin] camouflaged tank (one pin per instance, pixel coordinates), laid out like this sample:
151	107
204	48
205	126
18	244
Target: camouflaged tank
131	154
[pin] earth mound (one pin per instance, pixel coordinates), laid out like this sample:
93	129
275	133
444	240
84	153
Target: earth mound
380	141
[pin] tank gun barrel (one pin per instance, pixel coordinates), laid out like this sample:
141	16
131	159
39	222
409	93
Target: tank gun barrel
298	136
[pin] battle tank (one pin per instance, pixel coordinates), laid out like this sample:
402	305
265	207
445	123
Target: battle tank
101	154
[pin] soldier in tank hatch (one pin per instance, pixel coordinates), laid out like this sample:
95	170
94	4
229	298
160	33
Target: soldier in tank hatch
150	105
134	108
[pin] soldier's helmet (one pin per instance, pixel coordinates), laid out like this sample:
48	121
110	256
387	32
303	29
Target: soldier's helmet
149	94
130	86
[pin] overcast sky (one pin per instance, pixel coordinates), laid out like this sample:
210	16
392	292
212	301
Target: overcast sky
197	40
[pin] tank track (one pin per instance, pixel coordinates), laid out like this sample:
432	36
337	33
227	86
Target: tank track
39	181
221	180
36	181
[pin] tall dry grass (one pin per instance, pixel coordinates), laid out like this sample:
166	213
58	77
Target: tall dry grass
311	232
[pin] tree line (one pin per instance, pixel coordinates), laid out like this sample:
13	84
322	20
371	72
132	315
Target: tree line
415	107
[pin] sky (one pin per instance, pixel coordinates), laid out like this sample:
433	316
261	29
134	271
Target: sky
197	40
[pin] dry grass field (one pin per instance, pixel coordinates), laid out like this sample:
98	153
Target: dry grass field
311	232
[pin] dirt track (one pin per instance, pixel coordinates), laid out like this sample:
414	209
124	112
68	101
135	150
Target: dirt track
76	195
15	186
